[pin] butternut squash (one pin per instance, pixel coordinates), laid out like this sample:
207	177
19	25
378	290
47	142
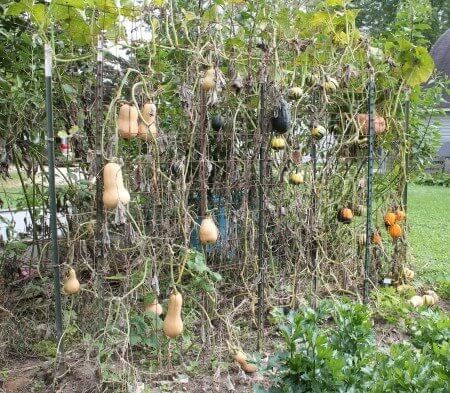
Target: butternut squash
71	285
128	121
154	307
148	112
113	188
208	232
173	324
241	358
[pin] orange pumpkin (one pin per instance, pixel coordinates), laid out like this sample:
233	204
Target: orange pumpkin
376	238
400	215
345	215
363	122
390	218
395	231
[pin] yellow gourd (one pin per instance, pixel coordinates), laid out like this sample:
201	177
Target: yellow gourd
173	325
416	301
208	82
128	121
295	92
113	188
296	178
154	307
71	285
148	112
208	232
429	300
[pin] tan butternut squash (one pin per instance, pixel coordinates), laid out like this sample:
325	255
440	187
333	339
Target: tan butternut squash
113	188
71	285
128	121
173	324
154	307
241	358
148	112
208	82
208	232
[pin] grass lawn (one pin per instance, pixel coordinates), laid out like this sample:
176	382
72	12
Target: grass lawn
429	219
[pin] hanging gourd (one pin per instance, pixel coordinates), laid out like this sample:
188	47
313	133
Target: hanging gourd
173	324
400	215
295	93
154	307
208	232
296	178
128	121
390	218
148	112
362	119
278	143
114	192
395	231
330	85
362	239
208	82
345	215
71	285
318	131
217	123
282	121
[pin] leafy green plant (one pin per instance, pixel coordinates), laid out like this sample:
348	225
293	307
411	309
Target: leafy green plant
144	330
429	328
433	179
388	305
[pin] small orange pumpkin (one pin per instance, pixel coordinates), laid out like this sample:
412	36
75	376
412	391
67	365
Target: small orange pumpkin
345	215
390	218
395	231
377	239
400	215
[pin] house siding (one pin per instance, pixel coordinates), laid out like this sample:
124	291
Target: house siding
445	127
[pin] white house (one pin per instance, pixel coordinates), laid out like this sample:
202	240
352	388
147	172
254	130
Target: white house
441	55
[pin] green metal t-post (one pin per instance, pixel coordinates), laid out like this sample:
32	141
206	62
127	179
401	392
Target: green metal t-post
371	132
52	195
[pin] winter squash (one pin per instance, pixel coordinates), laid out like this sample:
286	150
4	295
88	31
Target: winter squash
278	143
282	121
395	231
362	120
377	239
345	215
428	300
208	232
400	215
113	188
148	112
71	285
416	301
154	307
173	324
217	123
296	178
362	239
318	131
408	273
128	121
208	82
390	218
241	358
295	92
331	85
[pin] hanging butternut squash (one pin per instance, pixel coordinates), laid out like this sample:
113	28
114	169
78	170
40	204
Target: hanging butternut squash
148	112
128	121
113	189
154	307
208	232
173	324
71	285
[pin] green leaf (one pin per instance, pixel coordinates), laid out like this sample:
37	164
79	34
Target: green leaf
334	3
69	89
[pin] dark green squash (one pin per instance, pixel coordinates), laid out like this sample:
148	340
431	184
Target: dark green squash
217	123
282	121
